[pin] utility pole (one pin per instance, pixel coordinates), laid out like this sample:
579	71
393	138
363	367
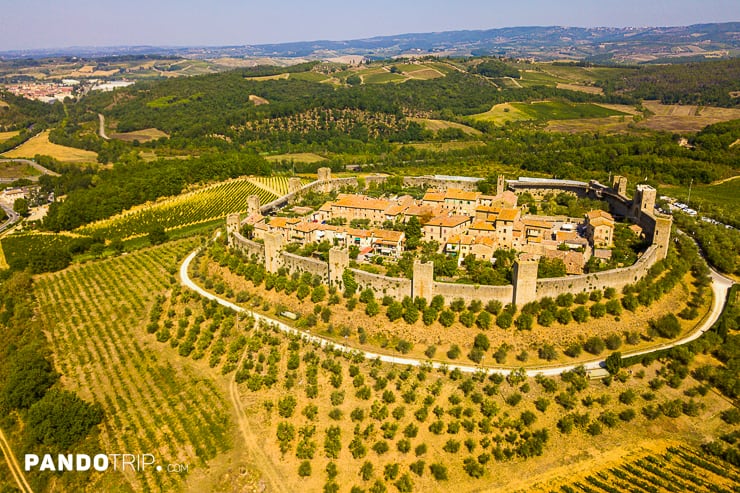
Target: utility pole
688	200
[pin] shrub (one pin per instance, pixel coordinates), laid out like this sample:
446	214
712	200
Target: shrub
524	321
598	310
564	300
563	316
547	352
304	470
594	345
504	320
454	352
666	326
580	314
613	341
447	318
439	471
494	307
573	350
467	318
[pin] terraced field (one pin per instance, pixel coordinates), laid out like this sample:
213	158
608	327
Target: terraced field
154	402
191	208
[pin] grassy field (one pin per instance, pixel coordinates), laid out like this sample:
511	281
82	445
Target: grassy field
544	111
298	157
7	135
581	88
270	77
441	147
310	76
501	113
39	144
15	170
436	125
154	401
381	77
145	135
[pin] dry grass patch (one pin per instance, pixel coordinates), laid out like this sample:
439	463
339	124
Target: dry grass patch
7	135
425	74
39	144
258	101
502	113
685	118
580	88
612	124
298	157
145	135
436	125
270	77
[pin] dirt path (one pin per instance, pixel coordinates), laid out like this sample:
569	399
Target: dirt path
15	468
251	441
101	129
719	182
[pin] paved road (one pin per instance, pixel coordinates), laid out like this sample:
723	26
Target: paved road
13	217
720	287
33	164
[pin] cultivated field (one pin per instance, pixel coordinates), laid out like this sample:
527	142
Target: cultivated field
436	125
145	135
7	135
685	118
39	144
324	419
195	207
154	402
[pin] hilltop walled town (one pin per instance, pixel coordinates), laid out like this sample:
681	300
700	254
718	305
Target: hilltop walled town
460	222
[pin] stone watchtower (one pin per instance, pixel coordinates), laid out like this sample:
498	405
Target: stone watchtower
644	201
525	279
422	283
233	225
324	176
338	262
253	205
294	184
273	248
500	185
662	235
619	185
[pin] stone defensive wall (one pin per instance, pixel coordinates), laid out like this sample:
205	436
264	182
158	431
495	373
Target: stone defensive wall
526	287
615	278
470	292
397	287
296	263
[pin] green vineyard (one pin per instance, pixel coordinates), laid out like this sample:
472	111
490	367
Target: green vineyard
195	207
276	184
679	469
95	316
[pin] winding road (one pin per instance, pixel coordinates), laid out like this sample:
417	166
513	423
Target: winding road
720	287
13	465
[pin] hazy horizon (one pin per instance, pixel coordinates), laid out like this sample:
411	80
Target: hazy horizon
45	24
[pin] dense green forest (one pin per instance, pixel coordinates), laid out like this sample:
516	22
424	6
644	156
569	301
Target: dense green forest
701	83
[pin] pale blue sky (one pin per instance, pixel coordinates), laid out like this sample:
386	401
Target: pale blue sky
27	24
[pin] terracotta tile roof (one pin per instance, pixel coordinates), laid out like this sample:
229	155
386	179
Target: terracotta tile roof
535	223
598	217
482	226
491	209
508	215
434	197
361	202
457	194
447	221
388	235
